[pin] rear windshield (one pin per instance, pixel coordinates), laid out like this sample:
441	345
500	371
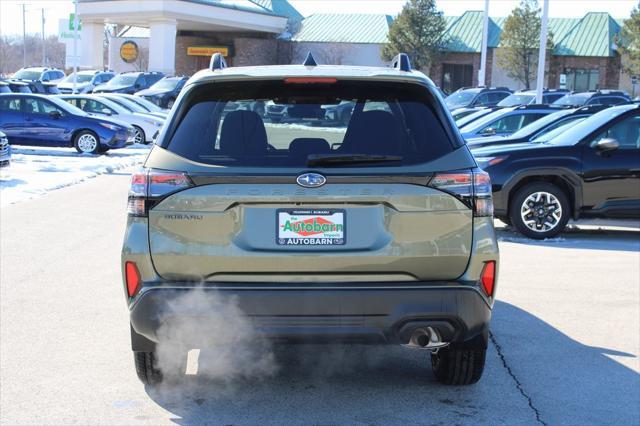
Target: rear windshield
275	124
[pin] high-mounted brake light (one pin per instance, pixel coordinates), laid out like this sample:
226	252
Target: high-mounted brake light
132	277
472	187
307	80
488	277
149	186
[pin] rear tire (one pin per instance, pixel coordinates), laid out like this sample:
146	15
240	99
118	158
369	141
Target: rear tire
539	197
458	366
146	368
139	136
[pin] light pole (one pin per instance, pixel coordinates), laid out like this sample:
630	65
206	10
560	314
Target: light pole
482	75
24	38
75	45
44	48
542	54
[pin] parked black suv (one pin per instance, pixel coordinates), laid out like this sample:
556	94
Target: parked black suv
476	96
129	82
164	92
596	97
590	170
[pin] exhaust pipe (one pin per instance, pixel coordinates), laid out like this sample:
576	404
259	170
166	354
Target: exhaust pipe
426	338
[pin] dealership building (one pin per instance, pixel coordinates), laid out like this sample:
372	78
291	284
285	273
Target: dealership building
179	37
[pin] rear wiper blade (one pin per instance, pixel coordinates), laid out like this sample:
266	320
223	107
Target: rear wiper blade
329	159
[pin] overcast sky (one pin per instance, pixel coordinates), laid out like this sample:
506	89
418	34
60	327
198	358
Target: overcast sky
11	10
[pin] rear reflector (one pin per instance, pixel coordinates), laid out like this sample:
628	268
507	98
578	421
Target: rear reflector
488	277
307	80
132	277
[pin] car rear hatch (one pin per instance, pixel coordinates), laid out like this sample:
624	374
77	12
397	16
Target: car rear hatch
313	207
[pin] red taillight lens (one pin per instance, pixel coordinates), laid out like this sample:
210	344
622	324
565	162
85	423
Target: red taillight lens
488	277
132	277
472	187
151	185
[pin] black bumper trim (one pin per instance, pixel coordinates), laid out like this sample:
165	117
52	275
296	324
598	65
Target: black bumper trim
371	314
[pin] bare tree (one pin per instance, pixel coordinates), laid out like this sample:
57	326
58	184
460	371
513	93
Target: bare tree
142	61
335	54
11	52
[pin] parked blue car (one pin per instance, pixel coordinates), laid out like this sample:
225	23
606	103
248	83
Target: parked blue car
49	121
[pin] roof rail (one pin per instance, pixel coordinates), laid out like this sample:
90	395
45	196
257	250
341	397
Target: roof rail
217	62
309	61
401	62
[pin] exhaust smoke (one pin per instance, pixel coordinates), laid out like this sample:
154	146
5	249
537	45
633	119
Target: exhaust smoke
231	348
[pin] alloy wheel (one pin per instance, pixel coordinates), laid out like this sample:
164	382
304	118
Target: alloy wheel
137	136
541	211
87	143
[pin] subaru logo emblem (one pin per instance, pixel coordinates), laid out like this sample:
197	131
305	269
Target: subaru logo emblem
311	180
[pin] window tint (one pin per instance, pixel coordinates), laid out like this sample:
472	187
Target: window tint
93	106
482	99
561	123
387	119
626	132
39	106
496	97
512	123
10	104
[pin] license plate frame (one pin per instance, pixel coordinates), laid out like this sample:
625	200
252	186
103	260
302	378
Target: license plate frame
314	233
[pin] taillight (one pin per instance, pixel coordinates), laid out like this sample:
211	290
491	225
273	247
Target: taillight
149	186
132	276
473	187
488	277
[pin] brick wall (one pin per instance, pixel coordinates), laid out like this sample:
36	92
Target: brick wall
246	49
608	67
462	59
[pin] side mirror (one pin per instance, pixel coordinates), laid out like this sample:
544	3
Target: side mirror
106	111
489	131
607	144
55	115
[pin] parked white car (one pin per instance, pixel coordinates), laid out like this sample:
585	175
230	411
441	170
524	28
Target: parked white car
146	104
146	127
86	81
131	102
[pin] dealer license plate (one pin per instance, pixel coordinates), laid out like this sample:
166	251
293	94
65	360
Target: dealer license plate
310	227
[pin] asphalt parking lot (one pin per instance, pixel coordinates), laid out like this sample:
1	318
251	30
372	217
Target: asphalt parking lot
565	347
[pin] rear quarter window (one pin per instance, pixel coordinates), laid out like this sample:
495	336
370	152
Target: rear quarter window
274	124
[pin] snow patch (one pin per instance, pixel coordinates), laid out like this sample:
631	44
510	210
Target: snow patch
35	171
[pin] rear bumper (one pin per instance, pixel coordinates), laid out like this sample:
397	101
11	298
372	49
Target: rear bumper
366	313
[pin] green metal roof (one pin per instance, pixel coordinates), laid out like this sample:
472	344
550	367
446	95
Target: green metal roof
344	28
465	32
592	35
269	7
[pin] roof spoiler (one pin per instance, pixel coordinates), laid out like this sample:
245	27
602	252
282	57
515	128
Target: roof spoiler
217	62
401	62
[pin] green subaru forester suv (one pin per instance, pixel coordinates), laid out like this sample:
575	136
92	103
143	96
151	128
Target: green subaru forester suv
376	229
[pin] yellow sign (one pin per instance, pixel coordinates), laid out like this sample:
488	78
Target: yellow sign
129	51
207	50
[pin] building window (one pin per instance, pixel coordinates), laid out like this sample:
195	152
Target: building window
455	76
582	80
